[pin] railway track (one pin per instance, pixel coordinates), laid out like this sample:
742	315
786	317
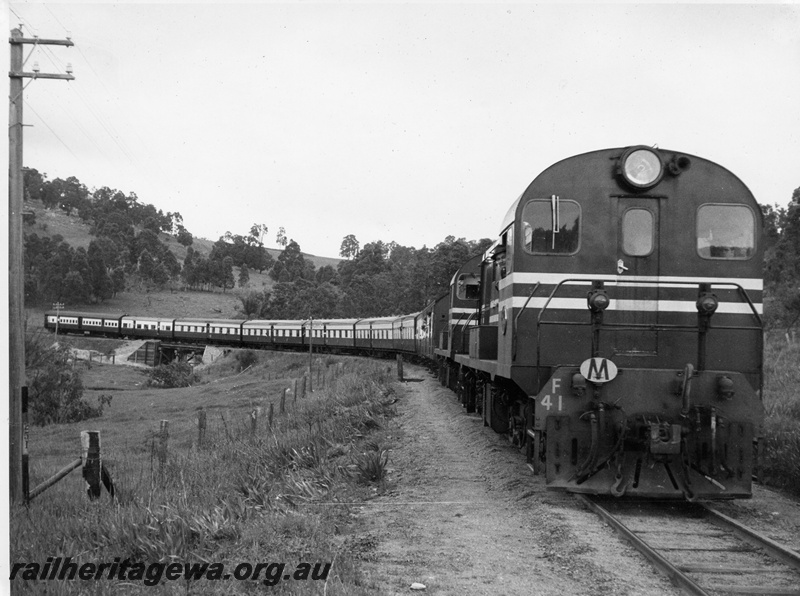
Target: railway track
701	550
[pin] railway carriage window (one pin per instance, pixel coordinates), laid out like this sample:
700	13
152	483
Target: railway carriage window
725	232
551	226
637	232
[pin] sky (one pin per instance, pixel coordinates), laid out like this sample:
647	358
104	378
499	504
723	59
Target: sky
398	122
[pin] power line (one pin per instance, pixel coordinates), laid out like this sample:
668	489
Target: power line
55	134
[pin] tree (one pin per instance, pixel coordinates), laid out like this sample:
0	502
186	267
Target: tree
184	237
118	280
291	265
74	289
102	286
349	248
34	183
281	237
257	232
159	275
146	264
55	387
326	274
226	279
244	276
253	303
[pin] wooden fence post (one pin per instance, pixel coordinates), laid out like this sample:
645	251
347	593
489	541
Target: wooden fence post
201	427
92	464
163	442
303	387
254	416
271	413
294	398
399	367
283	401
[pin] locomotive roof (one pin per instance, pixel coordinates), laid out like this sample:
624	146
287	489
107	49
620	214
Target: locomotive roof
203	320
612	151
77	313
148	317
285	322
510	214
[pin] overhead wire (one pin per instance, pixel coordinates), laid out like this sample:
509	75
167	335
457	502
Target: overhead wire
87	99
55	134
105	124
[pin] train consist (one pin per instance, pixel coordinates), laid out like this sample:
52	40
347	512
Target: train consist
613	331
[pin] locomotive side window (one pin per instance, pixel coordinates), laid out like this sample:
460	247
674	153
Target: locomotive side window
725	231
551	226
468	287
637	232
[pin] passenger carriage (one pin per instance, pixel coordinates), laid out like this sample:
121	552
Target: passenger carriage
79	322
404	333
225	331
288	333
147	327
192	330
339	333
375	333
427	330
258	333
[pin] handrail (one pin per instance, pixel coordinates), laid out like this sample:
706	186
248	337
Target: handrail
740	290
463	334
516	320
731	284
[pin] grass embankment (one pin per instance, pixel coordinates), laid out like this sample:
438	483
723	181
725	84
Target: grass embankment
782	404
238	498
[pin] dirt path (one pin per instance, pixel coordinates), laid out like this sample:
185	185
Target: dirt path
463	514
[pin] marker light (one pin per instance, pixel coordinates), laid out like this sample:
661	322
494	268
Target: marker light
725	387
641	167
598	300
578	385
707	304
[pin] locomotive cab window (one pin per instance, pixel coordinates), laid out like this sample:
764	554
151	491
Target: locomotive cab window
468	286
551	226
637	232
725	232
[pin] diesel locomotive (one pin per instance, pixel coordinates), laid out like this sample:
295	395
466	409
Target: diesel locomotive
613	331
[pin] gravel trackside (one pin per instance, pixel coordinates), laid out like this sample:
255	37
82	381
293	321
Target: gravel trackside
461	513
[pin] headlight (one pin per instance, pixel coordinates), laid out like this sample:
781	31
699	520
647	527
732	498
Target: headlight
641	167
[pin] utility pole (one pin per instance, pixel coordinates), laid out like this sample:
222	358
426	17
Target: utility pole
59	306
310	354
18	450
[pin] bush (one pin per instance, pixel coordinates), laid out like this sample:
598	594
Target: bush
174	374
246	359
55	388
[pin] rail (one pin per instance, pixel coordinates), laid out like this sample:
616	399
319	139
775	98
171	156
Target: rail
678	577
727	557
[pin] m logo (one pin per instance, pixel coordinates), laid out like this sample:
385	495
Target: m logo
598	370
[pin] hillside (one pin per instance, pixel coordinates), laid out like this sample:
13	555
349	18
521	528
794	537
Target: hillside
138	261
137	299
50	222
